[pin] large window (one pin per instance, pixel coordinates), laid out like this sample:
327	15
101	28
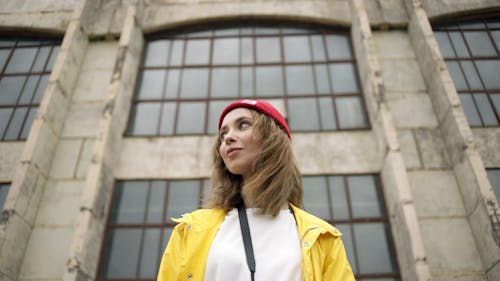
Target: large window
25	65
472	53
354	204
186	78
139	224
4	189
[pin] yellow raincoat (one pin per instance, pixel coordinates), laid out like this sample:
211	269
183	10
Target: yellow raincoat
323	254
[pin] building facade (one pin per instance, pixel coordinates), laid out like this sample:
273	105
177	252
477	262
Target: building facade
108	113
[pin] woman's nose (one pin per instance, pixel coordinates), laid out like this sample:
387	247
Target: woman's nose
229	137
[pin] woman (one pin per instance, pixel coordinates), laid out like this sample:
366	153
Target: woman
257	186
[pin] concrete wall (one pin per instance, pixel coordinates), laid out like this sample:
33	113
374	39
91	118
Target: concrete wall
441	206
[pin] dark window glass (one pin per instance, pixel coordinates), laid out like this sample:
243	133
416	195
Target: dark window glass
194	73
472	53
354	205
4	189
494	177
25	65
139	224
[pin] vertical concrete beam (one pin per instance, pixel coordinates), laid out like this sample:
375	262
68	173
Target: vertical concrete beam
481	206
402	214
87	240
31	173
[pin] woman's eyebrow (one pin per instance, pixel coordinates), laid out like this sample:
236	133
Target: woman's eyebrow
239	119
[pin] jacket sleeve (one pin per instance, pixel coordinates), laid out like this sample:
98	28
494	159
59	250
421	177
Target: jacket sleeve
171	261
336	266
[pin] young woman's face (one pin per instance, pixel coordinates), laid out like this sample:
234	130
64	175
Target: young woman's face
238	148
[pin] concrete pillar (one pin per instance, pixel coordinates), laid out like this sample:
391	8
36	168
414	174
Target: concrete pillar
91	220
404	222
481	207
31	174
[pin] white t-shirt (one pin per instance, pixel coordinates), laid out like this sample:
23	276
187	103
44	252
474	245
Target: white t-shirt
276	248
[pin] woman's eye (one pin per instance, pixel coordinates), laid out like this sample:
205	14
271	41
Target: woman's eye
222	135
244	125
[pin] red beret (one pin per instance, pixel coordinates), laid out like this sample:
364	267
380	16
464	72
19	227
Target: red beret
260	106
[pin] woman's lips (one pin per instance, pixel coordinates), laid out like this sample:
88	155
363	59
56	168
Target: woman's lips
232	151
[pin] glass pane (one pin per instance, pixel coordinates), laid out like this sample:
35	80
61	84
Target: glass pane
322	79
338	46
29	89
485	109
226	51
338	198
471	25
225	82
365	199
444	44
122	253
191	118
166	236
28	123
215	108
197	51
194	83
494	177
16	123
318	48
459	44
268	49
150	253
10	88
328	120
42	85
7	42
479	43
265	30
41	58
269	81
470	110
183	197
156	202
167	118
130	202
303	114
226	31
4	190
496	38
496	102
4	119
299	80
144	119
373	248
157	53
350	113
53	57
346	231
316	197
344	79
247	50
457	75
21	60
297	48
176	52
247	81
471	75
172	88
151	85
489	70
4	54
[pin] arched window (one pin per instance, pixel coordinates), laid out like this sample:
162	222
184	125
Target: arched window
471	50
25	66
187	77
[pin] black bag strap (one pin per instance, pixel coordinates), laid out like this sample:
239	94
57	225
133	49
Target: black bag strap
247	239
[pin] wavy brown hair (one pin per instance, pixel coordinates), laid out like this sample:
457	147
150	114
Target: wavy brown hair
275	178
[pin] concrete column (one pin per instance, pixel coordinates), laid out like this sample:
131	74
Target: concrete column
31	174
481	206
91	220
402	214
